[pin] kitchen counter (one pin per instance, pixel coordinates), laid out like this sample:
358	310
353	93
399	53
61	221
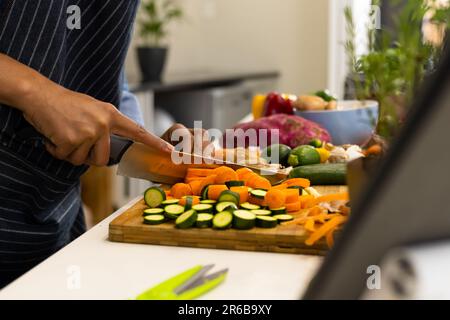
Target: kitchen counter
94	268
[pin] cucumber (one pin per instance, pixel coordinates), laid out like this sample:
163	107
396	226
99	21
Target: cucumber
154	196
278	211
173	211
223	220
186	220
223	206
204	220
259	193
169	202
230	184
211	202
152	212
203	208
204	193
262	212
322	174
266	222
229	196
243	220
284	217
249	206
154	220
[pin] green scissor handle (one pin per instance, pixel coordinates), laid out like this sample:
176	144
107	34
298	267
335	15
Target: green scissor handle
166	290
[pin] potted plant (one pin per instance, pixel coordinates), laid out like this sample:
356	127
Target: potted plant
155	17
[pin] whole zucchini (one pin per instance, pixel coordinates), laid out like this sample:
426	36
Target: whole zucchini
322	174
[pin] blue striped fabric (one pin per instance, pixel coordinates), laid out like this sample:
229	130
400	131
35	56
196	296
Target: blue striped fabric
40	207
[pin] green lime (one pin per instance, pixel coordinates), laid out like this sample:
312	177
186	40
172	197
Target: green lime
304	155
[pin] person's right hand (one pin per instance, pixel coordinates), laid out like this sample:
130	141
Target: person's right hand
78	127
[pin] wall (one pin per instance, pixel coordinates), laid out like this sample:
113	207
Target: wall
286	35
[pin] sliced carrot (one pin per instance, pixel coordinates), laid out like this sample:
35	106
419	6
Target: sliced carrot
198	172
250	180
196	187
167	192
323	230
195	200
261	183
180	190
310	225
307	201
282	186
298	182
189	180
214	191
243	173
330	238
243	193
292	195
207	181
293	207
376	149
257	201
225	174
275	198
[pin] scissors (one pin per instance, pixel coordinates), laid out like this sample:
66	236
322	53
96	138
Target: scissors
188	285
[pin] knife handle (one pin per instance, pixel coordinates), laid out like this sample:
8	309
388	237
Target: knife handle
118	147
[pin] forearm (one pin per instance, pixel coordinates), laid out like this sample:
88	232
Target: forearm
22	87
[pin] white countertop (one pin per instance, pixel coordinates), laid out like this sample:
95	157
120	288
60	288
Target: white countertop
110	270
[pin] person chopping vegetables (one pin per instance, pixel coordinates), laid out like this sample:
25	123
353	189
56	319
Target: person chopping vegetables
59	89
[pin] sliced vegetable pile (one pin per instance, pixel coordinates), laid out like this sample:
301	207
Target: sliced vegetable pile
222	198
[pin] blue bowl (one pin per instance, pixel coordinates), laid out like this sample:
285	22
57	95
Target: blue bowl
353	122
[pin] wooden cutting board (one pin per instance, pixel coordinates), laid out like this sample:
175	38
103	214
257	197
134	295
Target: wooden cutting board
129	228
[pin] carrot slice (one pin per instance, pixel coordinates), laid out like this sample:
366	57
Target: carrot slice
189	180
198	172
225	174
167	192
298	182
261	183
243	173
243	193
323	230
292	195
282	186
214	191
330	238
275	198
293	207
207	181
195	187
180	190
195	200
307	201
310	225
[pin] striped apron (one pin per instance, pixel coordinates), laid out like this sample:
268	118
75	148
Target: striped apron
40	206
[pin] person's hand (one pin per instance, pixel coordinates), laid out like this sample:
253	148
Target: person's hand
78	127
196	141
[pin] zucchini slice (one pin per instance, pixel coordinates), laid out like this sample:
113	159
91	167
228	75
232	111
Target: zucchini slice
249	206
204	220
189	203
223	220
230	184
211	202
186	220
229	196
154	220
173	211
278	211
262	212
166	203
154	196
258	193
283	217
203	208
224	206
243	220
152	212
204	192
266	222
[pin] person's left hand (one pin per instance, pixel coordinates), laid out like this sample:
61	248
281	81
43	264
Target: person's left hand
198	141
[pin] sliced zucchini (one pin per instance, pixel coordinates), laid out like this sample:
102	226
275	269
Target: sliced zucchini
249	206
189	203
204	220
230	184
212	202
154	220
169	202
173	211
258	193
152	212
154	196
278	211
262	212
223	206
203	208
266	222
229	196
283	217
243	219
204	193
304	193
186	220
223	220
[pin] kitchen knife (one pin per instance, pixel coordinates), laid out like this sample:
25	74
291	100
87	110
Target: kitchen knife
139	161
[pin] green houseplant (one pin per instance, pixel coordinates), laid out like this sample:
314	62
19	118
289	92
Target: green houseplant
155	17
396	63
